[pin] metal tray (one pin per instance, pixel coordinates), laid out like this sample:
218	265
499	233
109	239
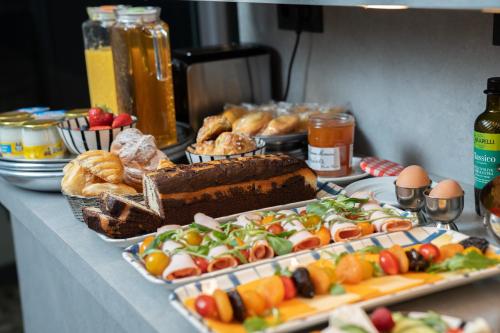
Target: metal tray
35	181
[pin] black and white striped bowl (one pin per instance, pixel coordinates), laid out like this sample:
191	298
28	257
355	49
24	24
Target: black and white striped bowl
78	141
197	158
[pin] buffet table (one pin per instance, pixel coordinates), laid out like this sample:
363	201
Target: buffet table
72	281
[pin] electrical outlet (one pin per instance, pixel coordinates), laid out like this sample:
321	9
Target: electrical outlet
298	17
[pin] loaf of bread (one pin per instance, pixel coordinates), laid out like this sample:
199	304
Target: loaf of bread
225	187
129	211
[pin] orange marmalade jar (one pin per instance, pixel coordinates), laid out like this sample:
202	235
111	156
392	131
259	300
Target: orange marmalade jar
331	138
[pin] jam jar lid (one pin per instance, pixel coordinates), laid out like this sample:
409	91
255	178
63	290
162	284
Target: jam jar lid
40	123
331	119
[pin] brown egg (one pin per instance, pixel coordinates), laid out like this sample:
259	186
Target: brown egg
413	176
446	189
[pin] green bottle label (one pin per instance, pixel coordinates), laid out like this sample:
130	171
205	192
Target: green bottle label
486	158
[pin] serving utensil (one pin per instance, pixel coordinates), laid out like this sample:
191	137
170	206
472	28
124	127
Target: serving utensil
443	211
412	199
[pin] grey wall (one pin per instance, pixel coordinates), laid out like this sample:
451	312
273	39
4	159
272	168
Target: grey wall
413	79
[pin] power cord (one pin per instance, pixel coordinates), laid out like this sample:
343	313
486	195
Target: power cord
290	65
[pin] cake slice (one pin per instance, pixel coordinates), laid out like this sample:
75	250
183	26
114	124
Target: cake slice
110	226
129	211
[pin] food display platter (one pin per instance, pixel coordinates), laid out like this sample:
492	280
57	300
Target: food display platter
394	294
132	256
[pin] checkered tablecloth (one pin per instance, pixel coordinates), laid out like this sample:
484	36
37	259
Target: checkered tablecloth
379	168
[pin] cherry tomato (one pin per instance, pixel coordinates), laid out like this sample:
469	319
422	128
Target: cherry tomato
272	289
290	290
223	306
193	237
324	236
430	252
349	269
275	229
366	228
202	263
156	262
449	250
267	219
145	243
255	304
205	305
388	262
303	212
312	221
454	330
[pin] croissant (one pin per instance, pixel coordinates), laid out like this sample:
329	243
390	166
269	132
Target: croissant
102	164
74	179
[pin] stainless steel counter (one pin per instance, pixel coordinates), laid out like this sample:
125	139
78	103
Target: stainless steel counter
71	281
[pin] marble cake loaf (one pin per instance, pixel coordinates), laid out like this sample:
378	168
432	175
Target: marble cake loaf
225	187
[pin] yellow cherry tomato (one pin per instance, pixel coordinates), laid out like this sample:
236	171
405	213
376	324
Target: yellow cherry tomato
449	250
193	237
320	279
272	289
328	267
255	304
472	249
324	236
223	306
367	269
267	219
145	243
349	269
366	228
312	221
156	262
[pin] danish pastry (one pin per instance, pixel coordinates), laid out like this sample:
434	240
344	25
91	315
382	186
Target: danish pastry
74	179
252	123
102	164
212	127
205	148
96	189
233	143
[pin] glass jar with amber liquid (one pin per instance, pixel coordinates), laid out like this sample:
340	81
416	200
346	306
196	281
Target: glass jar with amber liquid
487	140
331	139
143	71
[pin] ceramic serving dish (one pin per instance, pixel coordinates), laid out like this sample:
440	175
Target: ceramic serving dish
320	306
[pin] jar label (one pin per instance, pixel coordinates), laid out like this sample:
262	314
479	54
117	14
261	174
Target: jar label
44	151
324	159
11	148
486	158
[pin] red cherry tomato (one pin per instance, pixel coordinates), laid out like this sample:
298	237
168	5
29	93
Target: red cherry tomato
205	305
275	229
454	330
429	251
389	262
290	290
202	263
382	319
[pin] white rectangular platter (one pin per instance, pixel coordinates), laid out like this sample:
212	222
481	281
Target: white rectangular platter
405	238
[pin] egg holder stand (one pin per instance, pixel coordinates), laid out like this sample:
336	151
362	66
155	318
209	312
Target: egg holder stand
442	212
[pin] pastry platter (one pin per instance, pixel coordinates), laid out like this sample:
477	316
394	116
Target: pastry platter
301	313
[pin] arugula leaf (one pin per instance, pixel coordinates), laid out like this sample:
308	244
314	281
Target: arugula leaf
373	249
337	289
255	324
236	253
199	227
352	328
282	271
148	252
286	234
377	270
472	261
317	208
435	321
219	235
280	246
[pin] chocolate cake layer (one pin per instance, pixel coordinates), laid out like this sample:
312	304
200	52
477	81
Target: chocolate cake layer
129	211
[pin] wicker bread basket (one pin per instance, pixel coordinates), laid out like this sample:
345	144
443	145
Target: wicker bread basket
77	203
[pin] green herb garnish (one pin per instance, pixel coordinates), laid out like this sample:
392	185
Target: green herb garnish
280	246
469	261
337	289
351	328
255	324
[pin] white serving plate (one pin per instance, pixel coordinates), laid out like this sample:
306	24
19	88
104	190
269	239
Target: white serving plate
355	174
131	255
406	238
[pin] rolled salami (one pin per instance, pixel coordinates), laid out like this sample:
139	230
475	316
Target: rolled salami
384	222
260	250
343	231
304	240
245	219
169	246
220	259
292	225
181	266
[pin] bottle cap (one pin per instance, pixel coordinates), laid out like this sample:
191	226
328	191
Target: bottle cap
493	86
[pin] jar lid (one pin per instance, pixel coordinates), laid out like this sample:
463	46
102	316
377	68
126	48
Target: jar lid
40	123
331	119
138	14
103	13
18	115
13	122
75	113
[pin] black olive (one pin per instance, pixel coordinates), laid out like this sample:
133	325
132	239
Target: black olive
237	305
417	261
303	283
478	242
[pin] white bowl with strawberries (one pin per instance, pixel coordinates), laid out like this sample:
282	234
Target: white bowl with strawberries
96	131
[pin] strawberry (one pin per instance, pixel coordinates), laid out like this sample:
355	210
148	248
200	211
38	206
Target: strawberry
98	117
98	128
122	120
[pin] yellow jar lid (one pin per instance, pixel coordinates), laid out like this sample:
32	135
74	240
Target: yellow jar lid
12	122
75	113
15	115
40	123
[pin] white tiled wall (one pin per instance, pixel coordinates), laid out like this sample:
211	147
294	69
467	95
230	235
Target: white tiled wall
414	78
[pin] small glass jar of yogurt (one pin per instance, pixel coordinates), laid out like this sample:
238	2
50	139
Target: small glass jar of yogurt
41	140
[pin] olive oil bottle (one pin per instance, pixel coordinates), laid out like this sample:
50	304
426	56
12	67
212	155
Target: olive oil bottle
487	140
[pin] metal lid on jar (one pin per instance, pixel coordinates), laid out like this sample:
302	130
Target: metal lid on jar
18	115
103	13
40	123
76	113
331	119
138	14
12	122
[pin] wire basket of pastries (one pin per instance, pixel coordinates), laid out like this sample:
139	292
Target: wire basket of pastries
216	141
119	171
94	131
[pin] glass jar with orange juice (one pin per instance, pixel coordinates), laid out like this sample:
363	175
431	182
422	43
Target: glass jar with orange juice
331	139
